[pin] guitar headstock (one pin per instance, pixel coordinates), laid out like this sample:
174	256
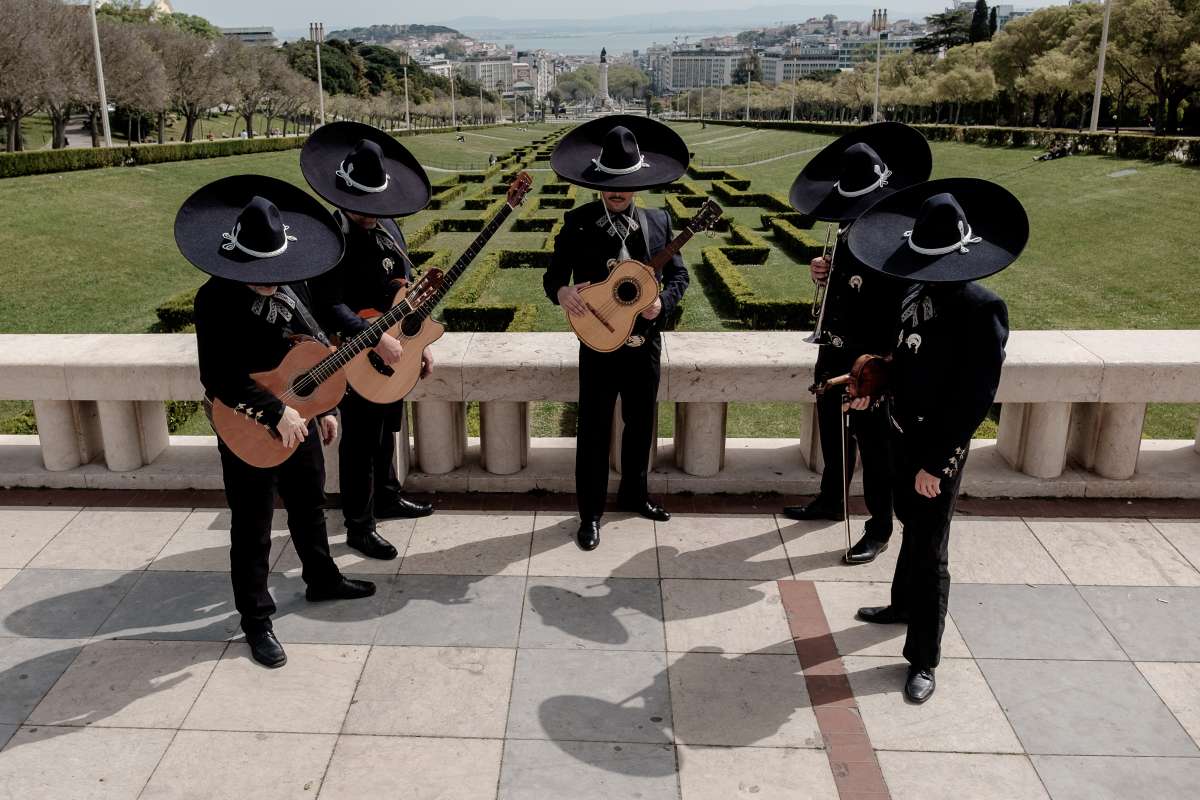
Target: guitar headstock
704	219
426	288
520	186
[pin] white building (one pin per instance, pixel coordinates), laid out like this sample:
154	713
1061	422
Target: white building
492	73
798	64
694	69
261	35
437	65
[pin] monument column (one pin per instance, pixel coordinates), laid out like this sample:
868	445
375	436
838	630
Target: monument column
603	100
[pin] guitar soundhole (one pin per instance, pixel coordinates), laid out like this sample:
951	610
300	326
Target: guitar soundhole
628	292
303	385
411	325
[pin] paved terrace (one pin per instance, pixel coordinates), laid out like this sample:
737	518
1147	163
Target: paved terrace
715	656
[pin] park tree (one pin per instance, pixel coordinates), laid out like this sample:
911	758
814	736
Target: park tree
1057	76
250	71
626	82
67	80
581	83
24	48
992	24
964	77
194	75
980	32
1015	49
1151	40
945	30
134	75
747	70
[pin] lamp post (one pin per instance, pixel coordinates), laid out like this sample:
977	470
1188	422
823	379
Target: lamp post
453	114
792	107
407	118
1100	68
100	75
749	75
878	25
316	34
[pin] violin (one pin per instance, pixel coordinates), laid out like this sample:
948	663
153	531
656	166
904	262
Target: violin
869	377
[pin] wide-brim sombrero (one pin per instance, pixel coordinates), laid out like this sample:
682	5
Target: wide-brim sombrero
324	154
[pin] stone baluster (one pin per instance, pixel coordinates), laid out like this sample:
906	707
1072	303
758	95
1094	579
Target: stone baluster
58	434
1106	438
504	436
618	434
700	437
1033	437
440	435
810	439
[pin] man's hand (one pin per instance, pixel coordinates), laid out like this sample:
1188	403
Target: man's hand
426	363
927	485
389	349
568	298
292	428
860	404
819	269
328	426
654	310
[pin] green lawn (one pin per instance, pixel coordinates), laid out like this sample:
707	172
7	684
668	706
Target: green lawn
1112	244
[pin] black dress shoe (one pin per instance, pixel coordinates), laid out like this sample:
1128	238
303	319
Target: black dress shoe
342	589
266	649
588	536
881	615
401	508
920	684
865	550
817	509
370	544
648	510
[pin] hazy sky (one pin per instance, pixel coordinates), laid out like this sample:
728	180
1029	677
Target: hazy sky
291	14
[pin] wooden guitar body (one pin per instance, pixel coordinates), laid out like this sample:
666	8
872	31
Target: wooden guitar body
252	440
389	383
613	305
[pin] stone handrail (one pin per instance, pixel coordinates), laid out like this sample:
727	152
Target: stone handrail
1073	404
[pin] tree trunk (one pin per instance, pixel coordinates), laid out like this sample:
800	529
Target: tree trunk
189	126
162	127
95	128
10	143
1172	120
249	118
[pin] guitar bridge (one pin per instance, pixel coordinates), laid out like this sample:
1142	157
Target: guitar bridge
380	367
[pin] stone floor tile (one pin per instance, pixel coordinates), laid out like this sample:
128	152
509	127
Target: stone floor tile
309	695
196	606
604	695
61	604
202	542
741	700
7	575
25	530
28	668
130	684
1105	552
1022	621
1185	535
761	773
537	770
816	549
628	550
713	546
1108	778
6	732
111	538
452	611
470	544
1178	685
264	766
587	613
396	531
76	763
732	616
959	776
433	691
413	768
961	716
999	550
1085	708
1152	624
326	622
841	599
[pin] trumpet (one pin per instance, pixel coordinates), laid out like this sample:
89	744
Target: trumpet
822	291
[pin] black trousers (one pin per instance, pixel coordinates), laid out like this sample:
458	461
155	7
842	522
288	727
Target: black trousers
250	493
366	458
869	436
632	374
921	585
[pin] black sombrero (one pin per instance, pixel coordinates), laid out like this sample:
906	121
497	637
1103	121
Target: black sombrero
364	170
943	231
255	229
620	153
858	169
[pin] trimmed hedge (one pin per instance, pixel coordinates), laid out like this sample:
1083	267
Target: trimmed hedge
176	313
681	209
798	220
735	293
798	243
444	194
525	259
748	247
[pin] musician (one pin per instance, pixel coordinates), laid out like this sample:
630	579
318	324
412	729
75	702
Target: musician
940	236
260	238
860	316
618	156
371	178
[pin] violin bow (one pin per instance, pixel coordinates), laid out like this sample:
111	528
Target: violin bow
844	405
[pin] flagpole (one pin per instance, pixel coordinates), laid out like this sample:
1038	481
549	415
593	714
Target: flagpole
100	75
1100	68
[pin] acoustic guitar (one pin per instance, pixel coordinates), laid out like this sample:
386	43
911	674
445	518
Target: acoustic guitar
631	287
409	318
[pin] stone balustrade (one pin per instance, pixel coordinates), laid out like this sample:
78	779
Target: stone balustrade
1073	403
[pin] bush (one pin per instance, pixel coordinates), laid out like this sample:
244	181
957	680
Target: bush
423	234
520	259
176	313
736	295
444	194
797	220
803	246
478	318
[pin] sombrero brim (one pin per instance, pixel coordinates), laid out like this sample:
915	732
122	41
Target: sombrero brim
665	152
902	148
408	186
213	210
877	238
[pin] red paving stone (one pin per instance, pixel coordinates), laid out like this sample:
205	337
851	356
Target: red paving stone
848	746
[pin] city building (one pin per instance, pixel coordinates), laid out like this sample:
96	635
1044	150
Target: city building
798	64
261	35
694	69
438	65
491	73
1004	13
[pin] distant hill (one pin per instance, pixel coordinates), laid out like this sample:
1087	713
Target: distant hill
381	34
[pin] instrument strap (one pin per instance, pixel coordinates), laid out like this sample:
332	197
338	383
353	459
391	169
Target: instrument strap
641	215
305	315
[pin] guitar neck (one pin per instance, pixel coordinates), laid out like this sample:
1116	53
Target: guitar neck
659	262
